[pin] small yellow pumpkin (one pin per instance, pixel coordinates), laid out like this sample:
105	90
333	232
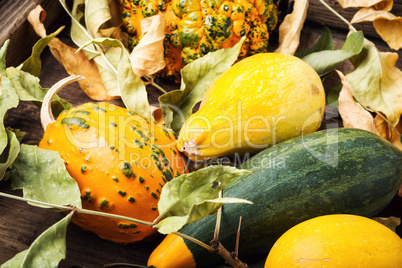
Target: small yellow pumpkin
337	241
120	161
261	100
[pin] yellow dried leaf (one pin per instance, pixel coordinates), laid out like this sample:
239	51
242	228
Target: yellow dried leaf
77	63
290	28
387	25
377	83
36	17
352	113
385	5
147	57
355	116
383	129
74	62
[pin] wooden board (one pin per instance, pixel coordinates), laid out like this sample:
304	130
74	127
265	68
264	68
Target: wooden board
20	223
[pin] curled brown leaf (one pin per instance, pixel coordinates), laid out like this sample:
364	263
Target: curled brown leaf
75	63
352	113
157	115
385	130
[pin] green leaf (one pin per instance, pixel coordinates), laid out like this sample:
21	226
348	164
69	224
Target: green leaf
28	88
197	212
324	43
179	195
46	251
33	64
18	133
8	97
132	89
324	62
10	153
197	77
42	176
333	95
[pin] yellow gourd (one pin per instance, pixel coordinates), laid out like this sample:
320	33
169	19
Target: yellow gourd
261	100
337	241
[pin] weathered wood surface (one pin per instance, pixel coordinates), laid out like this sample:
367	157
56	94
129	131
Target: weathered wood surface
14	25
20	224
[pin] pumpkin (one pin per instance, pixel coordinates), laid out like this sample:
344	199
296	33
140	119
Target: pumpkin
194	28
337	240
261	100
120	160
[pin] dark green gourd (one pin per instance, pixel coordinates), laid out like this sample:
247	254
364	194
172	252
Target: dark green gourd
332	171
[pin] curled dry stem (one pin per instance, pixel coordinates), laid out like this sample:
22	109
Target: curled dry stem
46	115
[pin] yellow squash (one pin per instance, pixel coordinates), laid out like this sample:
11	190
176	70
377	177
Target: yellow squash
337	241
261	100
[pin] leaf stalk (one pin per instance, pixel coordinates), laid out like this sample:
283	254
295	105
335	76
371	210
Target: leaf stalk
338	15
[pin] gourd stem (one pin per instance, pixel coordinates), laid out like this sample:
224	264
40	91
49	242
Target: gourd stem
338	15
46	116
123	264
76	209
218	219
198	242
36	201
151	81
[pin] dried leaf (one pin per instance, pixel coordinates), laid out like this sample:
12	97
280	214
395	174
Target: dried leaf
290	28
147	57
377	4
387	25
132	89
36	17
390	222
157	115
353	114
76	63
376	82
97	13
78	33
383	129
193	196
197	212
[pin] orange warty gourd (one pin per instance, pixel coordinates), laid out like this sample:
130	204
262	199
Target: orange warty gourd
337	241
194	28
120	161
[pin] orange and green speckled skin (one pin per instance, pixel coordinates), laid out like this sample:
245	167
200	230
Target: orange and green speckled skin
194	28
120	161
